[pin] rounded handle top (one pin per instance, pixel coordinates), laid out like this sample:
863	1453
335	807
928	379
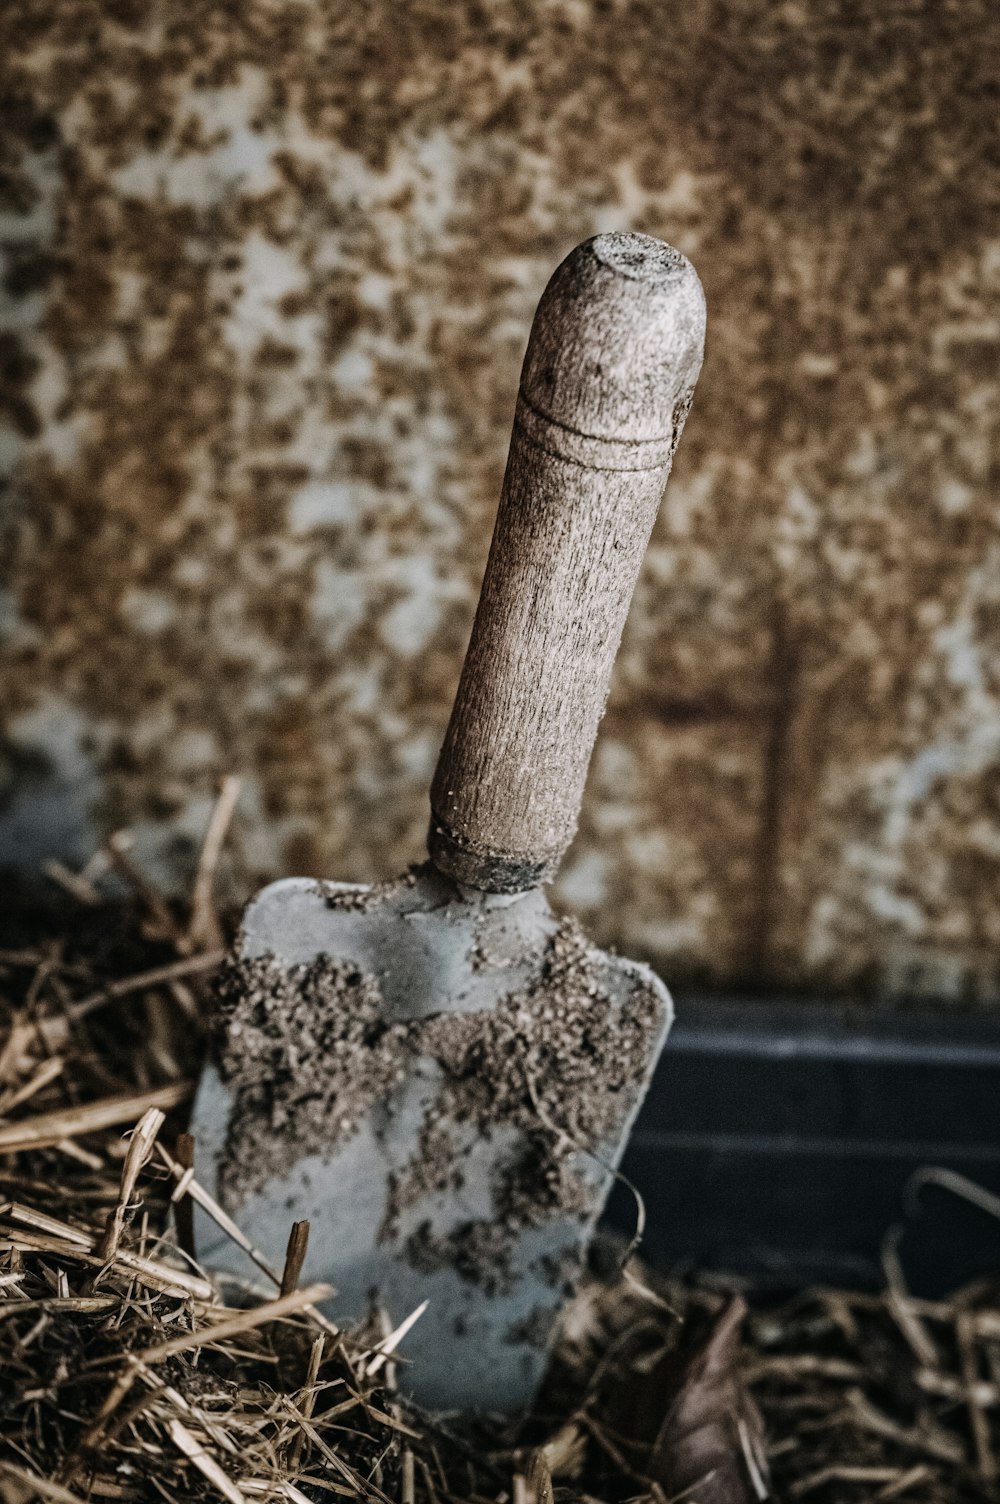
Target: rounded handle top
617	341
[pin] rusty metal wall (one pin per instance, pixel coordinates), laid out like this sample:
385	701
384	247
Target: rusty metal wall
269	269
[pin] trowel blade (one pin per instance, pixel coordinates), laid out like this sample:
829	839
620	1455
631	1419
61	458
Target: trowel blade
442	1081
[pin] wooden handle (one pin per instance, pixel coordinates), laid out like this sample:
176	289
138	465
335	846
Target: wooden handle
614	353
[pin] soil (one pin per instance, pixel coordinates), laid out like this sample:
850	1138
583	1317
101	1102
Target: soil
354	899
309	1050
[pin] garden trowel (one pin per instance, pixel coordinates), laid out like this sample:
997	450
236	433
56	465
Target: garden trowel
438	1072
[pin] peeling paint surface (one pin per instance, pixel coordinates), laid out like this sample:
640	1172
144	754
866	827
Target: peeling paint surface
268	271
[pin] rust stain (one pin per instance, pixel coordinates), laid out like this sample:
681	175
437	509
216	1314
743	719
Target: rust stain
783	674
268	273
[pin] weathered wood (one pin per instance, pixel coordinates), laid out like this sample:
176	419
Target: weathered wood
614	353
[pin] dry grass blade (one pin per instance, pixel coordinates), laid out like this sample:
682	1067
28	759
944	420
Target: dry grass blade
204	928
222	1218
306	1399
74	883
34	1487
139	1149
958	1185
180	1200
44	1076
899	1303
408	1487
206	1464
52	1227
161	923
144	981
965	1337
389	1344
920	1439
902	1482
63	1305
51	1128
234	1326
539	1478
843	1473
295	1256
150	1272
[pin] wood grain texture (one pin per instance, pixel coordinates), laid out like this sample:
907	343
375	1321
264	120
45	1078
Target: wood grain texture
608	378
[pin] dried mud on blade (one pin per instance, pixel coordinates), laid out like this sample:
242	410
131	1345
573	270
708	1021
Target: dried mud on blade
459	1158
439	1073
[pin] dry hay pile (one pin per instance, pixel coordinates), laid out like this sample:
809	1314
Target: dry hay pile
127	1373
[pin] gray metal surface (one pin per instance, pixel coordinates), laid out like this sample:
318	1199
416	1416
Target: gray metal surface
432	948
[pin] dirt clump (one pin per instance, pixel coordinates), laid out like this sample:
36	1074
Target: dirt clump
310	1049
552	1061
556	1055
361	898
